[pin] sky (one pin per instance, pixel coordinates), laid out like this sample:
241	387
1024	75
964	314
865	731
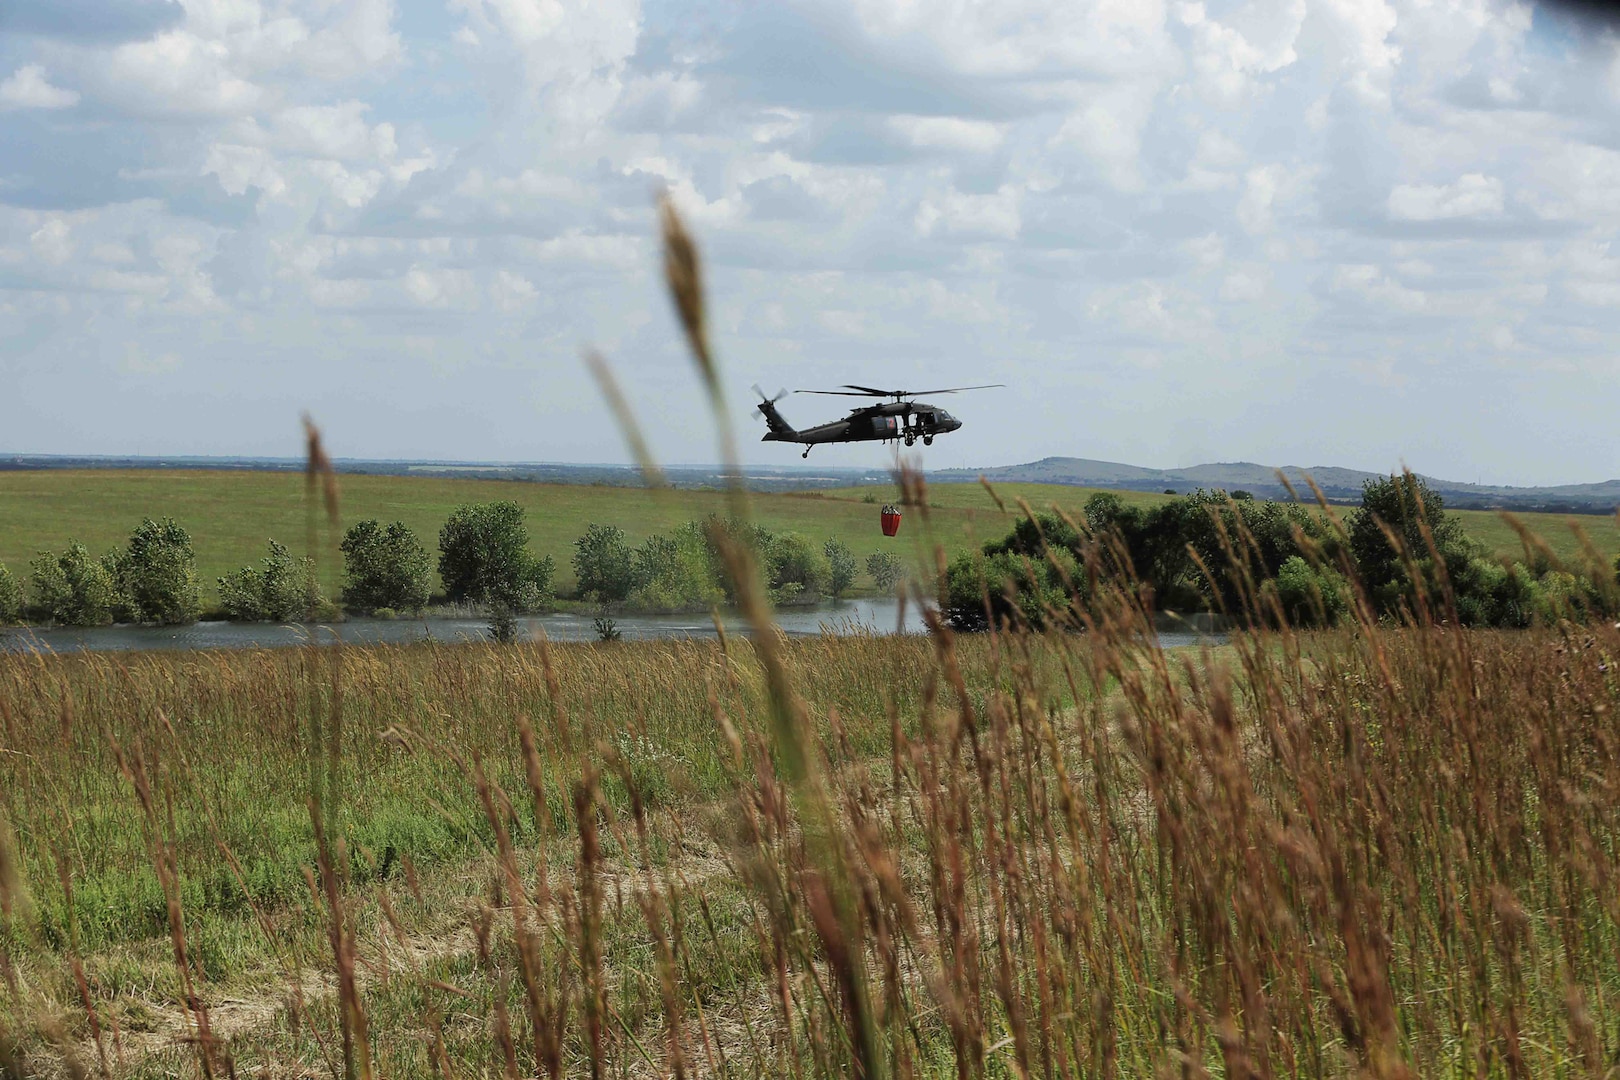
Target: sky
1311	232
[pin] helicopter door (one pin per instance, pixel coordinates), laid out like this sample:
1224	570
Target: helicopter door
886	427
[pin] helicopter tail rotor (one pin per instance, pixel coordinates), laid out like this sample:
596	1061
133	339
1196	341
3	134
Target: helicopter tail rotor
780	429
759	410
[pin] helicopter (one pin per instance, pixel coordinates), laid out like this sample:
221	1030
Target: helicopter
898	418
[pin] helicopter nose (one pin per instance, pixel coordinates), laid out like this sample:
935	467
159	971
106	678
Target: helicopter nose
952	424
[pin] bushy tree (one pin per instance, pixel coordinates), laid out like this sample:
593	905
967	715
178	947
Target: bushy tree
156	575
718	531
604	565
1007	586
841	567
1403	504
885	569
1261	536
675	572
1146	545
385	567
1310	595
10	597
795	570
484	558
280	589
73	589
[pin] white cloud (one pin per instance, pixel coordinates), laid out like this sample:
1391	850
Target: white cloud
53	241
1260	188
950	133
27	88
993	216
177	73
1378	290
512	292
336	131
1474	195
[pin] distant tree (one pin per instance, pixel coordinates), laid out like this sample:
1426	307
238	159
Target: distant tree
1242	496
841	566
1403	504
676	572
156	575
484	558
720	532
10	597
385	567
1008	587
795	570
1310	595
281	589
885	569
1260	535
72	588
604	565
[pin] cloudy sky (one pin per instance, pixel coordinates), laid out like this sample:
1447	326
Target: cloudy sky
1347	232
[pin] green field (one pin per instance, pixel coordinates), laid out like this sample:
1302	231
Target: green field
231	514
1487	526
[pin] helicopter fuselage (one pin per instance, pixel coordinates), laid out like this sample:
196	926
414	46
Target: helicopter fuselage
906	421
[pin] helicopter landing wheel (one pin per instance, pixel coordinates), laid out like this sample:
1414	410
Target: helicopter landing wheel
928	440
806	452
910	438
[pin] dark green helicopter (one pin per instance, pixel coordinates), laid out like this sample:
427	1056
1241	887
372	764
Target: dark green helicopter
900	418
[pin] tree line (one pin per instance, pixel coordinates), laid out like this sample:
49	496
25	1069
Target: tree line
1266	561
685	570
1207	551
483	560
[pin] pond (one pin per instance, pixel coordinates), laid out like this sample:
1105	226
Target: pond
873	616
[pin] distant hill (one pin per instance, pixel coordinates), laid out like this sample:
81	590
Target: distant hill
1339	485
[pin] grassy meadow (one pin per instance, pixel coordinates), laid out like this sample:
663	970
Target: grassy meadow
1368	852
231	514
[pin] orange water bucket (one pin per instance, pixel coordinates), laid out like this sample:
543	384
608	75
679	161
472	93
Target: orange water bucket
891	520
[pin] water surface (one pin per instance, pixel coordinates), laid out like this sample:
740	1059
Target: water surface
875	616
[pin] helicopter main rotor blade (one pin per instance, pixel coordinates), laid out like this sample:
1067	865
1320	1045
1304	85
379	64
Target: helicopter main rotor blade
951	389
851	390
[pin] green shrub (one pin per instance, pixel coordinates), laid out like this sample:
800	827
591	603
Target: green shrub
385	568
72	589
1008	587
10	597
885	569
794	570
756	538
484	558
280	589
156	576
841	567
604	565
1310	595
1404	504
675	573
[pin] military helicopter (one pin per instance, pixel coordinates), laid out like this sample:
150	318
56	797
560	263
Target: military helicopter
898	418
